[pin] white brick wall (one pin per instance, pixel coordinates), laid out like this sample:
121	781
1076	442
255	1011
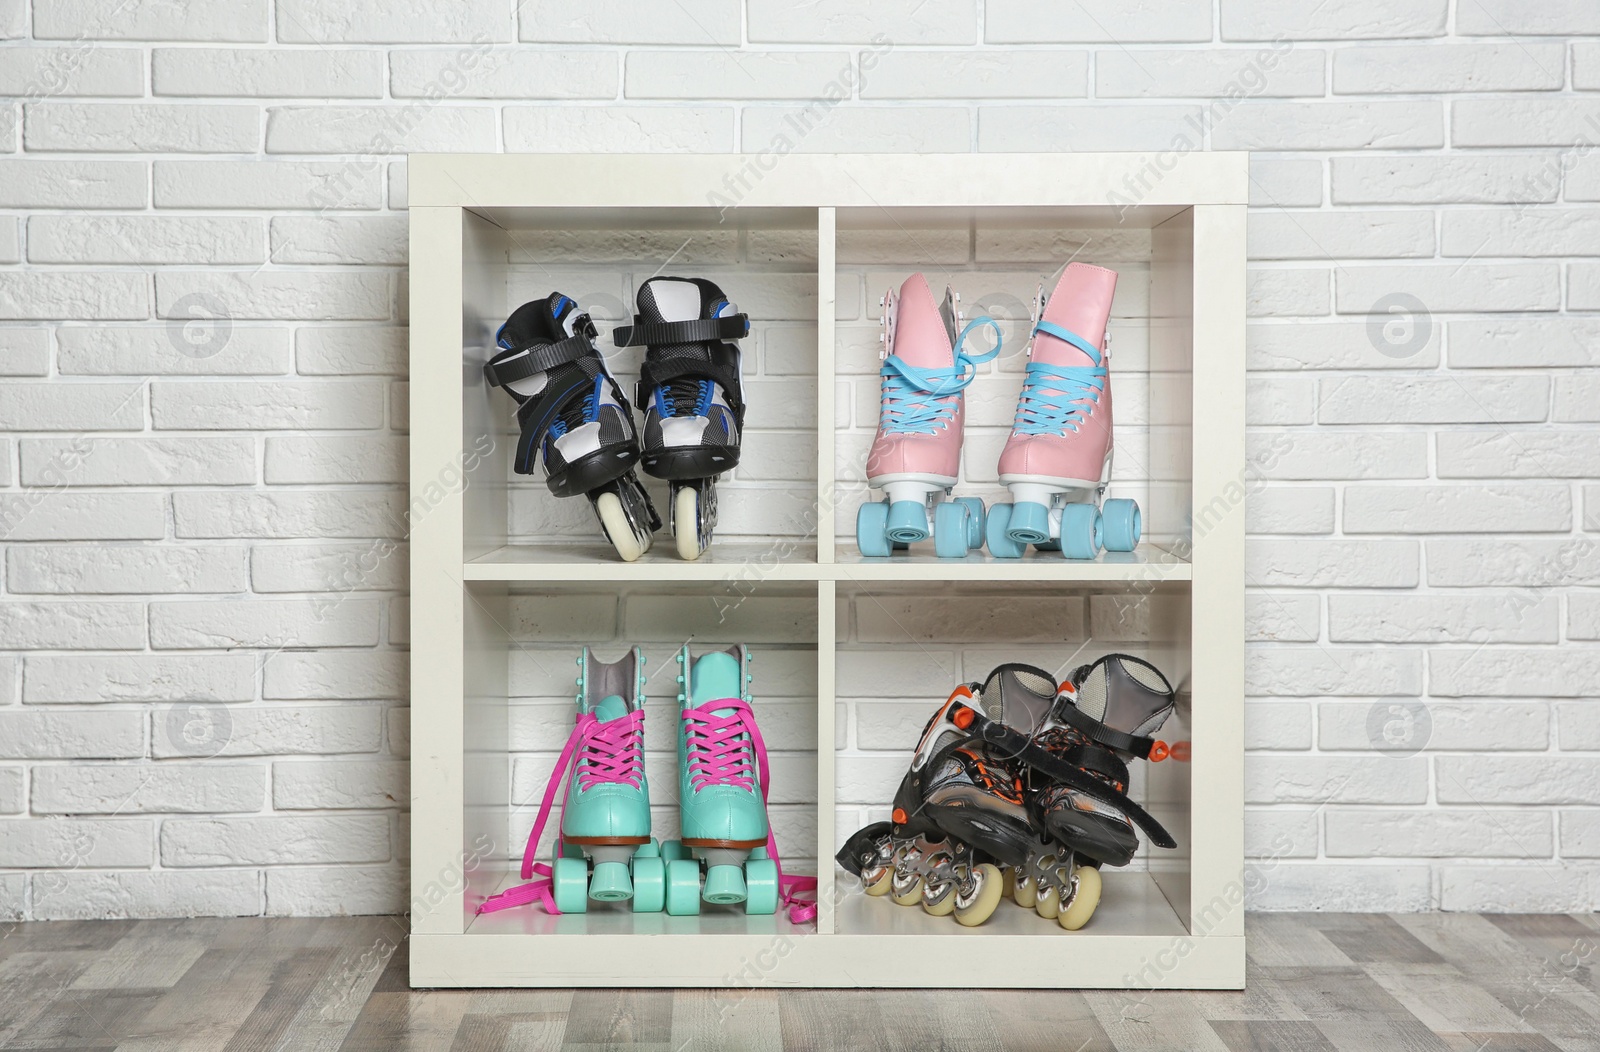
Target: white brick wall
202	342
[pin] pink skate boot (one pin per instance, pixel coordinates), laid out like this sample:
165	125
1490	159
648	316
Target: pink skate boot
1058	459
916	456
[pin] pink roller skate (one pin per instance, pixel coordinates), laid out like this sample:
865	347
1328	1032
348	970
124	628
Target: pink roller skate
1058	459
916	456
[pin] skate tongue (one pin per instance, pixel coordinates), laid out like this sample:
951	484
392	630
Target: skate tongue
1124	693
715	677
683	299
1080	305
610	708
1019	696
540	321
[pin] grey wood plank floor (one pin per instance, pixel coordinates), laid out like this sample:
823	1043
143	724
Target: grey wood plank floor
1318	983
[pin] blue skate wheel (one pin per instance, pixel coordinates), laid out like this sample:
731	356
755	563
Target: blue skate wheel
1030	523
1120	525
1080	531
761	886
683	887
950	530
1001	546
975	520
672	850
724	885
569	879
649	883
872	525
908	521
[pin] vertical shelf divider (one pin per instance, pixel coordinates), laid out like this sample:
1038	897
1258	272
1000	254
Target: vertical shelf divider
826	423
827	643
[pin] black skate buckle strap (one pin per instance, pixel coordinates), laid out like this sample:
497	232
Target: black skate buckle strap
1142	747
654	333
723	369
530	359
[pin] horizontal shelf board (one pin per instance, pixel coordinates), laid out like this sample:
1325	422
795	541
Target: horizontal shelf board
782	559
1146	563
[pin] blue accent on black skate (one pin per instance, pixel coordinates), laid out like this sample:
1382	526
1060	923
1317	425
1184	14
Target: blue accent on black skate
558	306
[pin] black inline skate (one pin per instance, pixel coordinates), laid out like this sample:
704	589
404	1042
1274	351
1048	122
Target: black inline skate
573	413
692	396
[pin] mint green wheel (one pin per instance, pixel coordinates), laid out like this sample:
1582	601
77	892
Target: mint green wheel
649	883
672	850
761	886
569	879
683	887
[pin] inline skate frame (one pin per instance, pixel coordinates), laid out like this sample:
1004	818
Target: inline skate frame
574	416
1057	460
692	395
605	851
916	455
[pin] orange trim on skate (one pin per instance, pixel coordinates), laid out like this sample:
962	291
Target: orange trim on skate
704	842
604	841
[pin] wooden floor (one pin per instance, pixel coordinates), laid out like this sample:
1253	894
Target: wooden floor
1317	982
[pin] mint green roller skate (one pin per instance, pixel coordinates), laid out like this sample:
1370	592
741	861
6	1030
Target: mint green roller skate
726	854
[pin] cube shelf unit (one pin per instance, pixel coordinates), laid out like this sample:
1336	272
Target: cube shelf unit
852	654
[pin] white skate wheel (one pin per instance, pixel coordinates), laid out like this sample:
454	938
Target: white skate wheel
686	523
1084	900
980	905
608	506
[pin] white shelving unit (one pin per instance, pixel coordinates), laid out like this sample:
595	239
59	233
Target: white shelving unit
507	582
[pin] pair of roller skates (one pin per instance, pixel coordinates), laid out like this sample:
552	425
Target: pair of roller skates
575	417
1057	460
725	854
1018	788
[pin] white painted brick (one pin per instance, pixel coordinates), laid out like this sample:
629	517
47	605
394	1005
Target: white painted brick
1457	67
1519	232
70	843
52	406
279	295
374	566
579	618
1285	183
1277	725
1518	780
1580	834
1356	889
41	72
10	240
1311	671
13	797
1521	454
278	730
104	127
1579	724
138	461
994	619
1494	18
1525	342
333	784
264	184
699	22
725	74
1412	343
326	622
1286	293
90	895
1517	889
24	352
998	74
928	675
364	239
419	127
1583	286
1280	834
888	725
758	617
1583	616
1273	400
278	73
1586	66
1350	20
57	515
329	459
1256	73
1474	726
1329	126
37	735
288	513
1021	129
336	674
1457	509
1331	779
229	20
399	22
1516	673
105	295
817	128
73	625
1363	833
1343	564
1430	400
1454	287
336	891
520	74
191	788
249	405
1489	618
50	678
1523	122
1019	22
1340	235
1471	562
1322	455
1445	179
13	26
349	351
107	569
145	239
274	840
1286	618
397	731
165	349
839	21
1289	509
618	129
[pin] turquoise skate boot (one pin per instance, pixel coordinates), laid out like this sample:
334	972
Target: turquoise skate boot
725	855
605	851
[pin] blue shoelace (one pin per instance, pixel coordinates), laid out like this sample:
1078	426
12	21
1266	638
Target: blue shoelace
917	401
1056	398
